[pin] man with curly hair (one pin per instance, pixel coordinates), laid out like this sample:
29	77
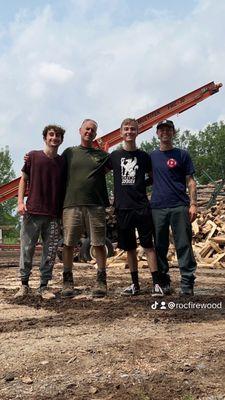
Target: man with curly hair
44	172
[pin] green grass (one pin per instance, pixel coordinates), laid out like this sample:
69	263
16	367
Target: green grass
10	240
188	397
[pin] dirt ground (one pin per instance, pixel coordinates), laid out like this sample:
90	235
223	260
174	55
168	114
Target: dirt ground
113	348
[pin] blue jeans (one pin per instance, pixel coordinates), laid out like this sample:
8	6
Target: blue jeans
32	227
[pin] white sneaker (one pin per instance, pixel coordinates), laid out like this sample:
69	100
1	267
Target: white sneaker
131	290
157	291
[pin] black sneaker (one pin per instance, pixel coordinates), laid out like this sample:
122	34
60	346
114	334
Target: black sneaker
68	284
100	290
131	290
189	291
167	290
157	291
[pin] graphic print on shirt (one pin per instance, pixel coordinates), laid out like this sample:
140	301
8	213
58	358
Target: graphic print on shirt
171	163
128	170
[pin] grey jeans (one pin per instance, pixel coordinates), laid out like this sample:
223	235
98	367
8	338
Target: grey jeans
178	219
32	227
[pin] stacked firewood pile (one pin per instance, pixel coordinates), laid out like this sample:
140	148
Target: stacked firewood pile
208	238
208	234
209	227
208	192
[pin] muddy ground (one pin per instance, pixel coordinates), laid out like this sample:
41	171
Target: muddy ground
112	348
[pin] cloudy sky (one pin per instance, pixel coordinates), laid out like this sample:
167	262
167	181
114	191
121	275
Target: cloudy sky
65	60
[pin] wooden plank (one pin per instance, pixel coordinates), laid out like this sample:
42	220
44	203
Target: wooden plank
213	230
195	227
204	265
215	246
205	249
219	239
218	258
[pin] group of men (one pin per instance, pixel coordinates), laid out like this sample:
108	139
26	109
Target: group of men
72	188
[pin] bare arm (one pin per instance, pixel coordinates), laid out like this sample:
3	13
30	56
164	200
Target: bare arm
21	208
192	189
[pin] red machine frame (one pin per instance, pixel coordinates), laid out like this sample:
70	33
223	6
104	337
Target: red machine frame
9	190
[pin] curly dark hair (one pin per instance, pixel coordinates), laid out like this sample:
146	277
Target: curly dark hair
56	128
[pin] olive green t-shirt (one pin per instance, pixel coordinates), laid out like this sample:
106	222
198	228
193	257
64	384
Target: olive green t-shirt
86	184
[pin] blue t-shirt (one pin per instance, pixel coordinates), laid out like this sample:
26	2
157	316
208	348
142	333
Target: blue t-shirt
170	169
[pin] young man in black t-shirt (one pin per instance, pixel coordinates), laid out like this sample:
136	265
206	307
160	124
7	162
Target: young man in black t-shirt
130	165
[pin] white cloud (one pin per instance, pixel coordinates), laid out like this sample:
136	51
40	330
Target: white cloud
47	74
37	90
88	62
54	73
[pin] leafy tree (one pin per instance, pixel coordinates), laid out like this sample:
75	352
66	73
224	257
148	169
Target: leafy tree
206	148
150	146
109	183
6	163
208	152
7	208
109	179
180	140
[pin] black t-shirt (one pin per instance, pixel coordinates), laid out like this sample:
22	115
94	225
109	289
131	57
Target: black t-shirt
129	169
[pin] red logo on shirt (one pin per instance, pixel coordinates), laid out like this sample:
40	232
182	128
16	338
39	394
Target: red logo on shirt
171	163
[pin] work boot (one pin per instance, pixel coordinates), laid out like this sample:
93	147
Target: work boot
68	284
22	292
45	293
100	289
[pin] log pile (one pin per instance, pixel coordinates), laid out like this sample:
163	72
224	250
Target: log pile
209	237
206	192
208	233
208	242
208	229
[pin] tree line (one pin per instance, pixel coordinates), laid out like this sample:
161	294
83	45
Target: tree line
206	147
8	216
207	150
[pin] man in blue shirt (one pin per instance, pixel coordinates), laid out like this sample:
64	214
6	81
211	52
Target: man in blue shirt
172	207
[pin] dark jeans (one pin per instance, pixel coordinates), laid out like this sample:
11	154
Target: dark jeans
48	228
178	219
